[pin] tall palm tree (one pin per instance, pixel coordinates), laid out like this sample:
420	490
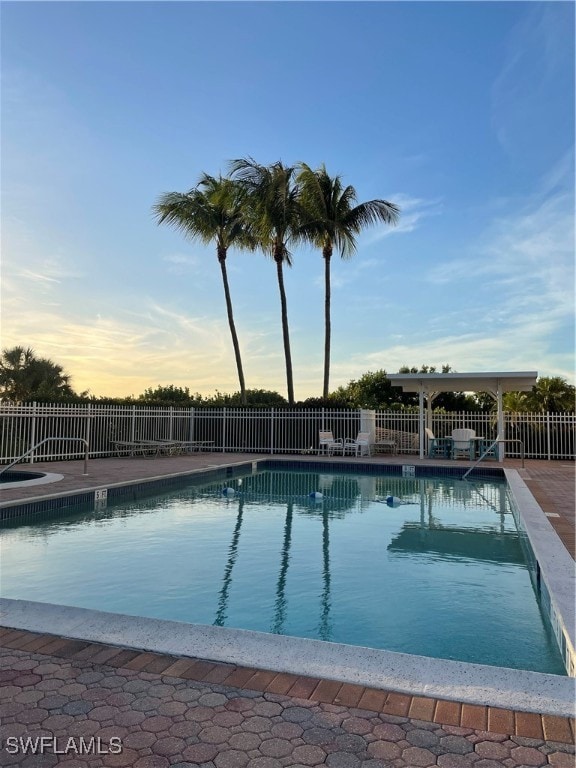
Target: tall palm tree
332	220
212	211
273	213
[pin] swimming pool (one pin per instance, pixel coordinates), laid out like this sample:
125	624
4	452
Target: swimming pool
441	574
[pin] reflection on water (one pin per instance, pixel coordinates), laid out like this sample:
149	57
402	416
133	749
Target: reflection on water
442	574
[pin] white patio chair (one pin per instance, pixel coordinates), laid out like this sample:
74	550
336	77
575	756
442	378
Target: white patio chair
463	443
328	444
359	446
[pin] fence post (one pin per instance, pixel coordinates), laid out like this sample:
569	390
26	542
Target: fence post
191	433
88	425
223	429
272	430
133	428
33	432
548	434
171	437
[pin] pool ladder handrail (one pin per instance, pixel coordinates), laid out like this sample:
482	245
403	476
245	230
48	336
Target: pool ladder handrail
487	451
45	440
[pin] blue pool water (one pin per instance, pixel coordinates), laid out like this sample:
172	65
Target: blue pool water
442	574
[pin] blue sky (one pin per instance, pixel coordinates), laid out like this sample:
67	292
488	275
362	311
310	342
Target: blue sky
461	113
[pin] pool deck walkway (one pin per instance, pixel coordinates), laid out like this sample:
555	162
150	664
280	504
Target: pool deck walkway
183	711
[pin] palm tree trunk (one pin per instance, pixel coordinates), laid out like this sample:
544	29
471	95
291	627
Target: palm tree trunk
327	325
285	332
235	344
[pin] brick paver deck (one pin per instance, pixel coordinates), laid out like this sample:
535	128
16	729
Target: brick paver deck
168	711
165	711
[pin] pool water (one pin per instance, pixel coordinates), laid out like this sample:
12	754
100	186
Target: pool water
438	571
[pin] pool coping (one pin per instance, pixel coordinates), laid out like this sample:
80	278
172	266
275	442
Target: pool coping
416	675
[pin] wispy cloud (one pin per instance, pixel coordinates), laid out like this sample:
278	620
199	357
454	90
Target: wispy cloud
539	48
412	211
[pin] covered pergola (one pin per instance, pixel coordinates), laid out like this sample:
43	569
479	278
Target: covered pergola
430	385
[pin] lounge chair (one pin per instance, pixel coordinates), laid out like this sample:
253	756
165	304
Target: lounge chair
359	446
463	443
328	444
438	446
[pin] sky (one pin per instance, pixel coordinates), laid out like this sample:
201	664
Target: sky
461	113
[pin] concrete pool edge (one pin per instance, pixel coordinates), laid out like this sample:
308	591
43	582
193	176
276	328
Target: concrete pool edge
520	690
47	477
555	567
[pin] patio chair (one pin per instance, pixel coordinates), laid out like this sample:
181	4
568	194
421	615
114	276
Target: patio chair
328	444
438	446
463	443
359	446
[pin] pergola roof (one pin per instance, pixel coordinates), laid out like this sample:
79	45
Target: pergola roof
494	381
428	385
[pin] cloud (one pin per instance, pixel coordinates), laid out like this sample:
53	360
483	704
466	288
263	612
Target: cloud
183	264
412	211
539	52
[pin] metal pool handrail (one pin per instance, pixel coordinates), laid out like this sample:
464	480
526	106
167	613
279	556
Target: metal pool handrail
46	439
487	451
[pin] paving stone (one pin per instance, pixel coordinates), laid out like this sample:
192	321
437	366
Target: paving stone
171	708
139	740
146	704
384	750
185	729
265	762
199	714
343	760
524	741
486	763
275	747
561	760
457	744
238	704
215	734
231	758
528	756
309	754
152	761
136	686
287	731
424	738
200	753
267	709
130	718
492	750
128	757
315	735
297	714
350	742
458	761
258	724
212	700
389	732
33	716
168	746
156	724
57	722
418	757
227	719
358	725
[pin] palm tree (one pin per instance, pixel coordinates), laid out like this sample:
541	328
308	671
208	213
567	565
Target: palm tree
332	220
23	376
273	213
212	211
